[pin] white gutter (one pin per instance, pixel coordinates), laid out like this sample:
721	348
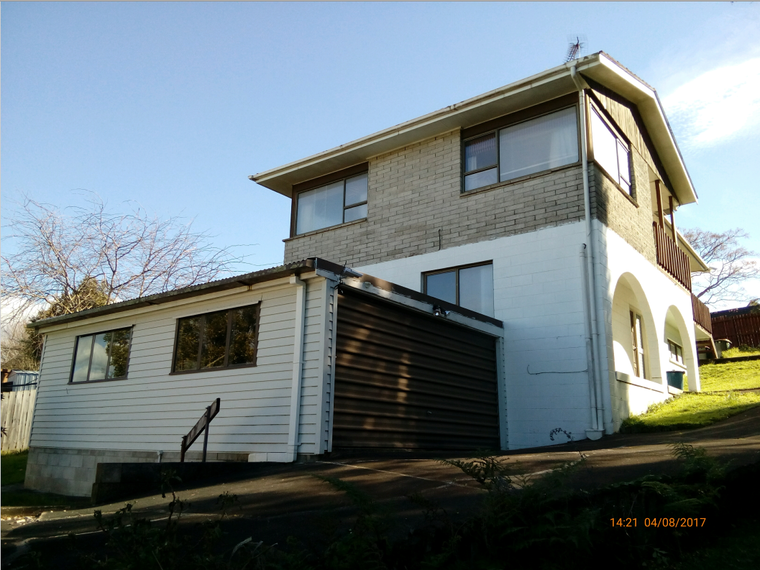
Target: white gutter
594	372
295	391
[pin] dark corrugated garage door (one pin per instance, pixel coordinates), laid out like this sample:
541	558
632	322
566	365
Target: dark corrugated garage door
409	380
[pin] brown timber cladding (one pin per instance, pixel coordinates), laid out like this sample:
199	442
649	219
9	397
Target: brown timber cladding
408	380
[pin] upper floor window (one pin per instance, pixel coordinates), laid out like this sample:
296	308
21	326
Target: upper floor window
611	152
221	339
335	203
535	145
470	286
102	356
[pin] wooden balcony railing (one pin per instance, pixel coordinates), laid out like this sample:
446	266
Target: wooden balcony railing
671	258
701	313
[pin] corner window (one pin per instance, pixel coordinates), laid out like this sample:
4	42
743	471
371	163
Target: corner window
532	146
470	287
222	339
611	152
336	203
676	352
102	356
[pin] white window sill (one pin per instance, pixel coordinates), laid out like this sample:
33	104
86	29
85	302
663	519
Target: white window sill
640	382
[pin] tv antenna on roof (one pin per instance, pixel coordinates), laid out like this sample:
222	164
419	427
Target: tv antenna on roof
577	45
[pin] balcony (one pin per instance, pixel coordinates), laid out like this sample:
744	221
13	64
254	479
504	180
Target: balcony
701	314
671	258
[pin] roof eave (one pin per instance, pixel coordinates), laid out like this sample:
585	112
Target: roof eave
247	279
543	86
612	75
527	92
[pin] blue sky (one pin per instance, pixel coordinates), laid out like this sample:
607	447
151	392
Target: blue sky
173	105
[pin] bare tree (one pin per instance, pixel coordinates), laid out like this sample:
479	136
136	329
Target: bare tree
730	265
125	255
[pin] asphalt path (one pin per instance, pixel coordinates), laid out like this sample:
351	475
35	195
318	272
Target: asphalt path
294	499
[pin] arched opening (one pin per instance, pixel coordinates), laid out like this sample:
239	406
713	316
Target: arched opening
637	381
678	349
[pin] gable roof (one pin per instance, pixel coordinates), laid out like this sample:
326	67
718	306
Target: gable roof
527	92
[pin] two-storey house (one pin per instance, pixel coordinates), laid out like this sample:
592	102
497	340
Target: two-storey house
505	272
549	204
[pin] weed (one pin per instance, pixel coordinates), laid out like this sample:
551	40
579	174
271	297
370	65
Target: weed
366	544
489	471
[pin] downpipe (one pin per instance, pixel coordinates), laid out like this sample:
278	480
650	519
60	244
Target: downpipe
595	383
297	378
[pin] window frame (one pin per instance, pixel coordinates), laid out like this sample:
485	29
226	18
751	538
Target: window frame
317	183
638	345
496	125
457	270
679	360
129	330
620	139
201	336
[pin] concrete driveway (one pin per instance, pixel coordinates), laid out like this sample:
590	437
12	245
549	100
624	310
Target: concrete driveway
291	499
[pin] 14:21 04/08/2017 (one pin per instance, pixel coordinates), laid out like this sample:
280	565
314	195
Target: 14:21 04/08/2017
660	522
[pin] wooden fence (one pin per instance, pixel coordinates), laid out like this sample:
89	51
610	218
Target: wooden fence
740	326
17	411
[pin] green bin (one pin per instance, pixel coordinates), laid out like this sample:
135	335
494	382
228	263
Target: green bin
675	379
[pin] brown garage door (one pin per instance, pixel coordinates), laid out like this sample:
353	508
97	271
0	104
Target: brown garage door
409	380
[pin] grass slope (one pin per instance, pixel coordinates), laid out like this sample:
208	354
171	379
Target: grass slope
716	402
741	351
743	375
689	411
13	473
14	467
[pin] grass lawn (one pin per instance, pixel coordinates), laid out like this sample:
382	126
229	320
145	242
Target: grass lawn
13	472
738	351
716	402
14	467
689	411
730	376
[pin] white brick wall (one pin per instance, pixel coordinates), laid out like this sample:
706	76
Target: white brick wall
538	295
663	305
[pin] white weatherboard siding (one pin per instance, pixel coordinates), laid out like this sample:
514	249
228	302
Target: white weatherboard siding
312	421
633	283
538	294
151	410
